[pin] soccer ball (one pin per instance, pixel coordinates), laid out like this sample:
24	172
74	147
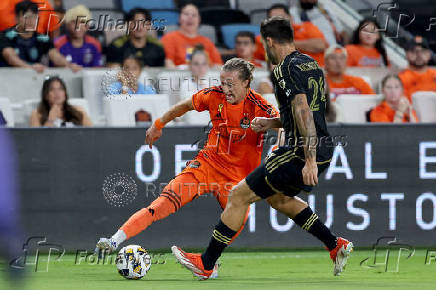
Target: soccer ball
133	262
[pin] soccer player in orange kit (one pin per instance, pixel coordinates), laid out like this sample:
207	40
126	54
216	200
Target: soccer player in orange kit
232	151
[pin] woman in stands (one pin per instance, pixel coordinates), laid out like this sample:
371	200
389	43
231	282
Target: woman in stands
367	49
54	109
179	44
396	107
128	79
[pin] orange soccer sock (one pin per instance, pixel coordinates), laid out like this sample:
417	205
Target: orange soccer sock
160	208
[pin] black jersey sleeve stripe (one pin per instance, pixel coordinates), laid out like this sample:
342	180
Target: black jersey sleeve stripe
259	103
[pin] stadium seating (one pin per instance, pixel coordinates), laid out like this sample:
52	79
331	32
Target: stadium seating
222	16
229	32
424	104
258	76
257	16
375	75
271	98
353	108
82	103
161	18
6	109
108	4
126	5
120	109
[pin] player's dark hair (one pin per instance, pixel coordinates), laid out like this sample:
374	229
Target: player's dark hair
24	6
71	114
245	68
278	28
277	6
131	14
388	77
138	60
248	34
379	43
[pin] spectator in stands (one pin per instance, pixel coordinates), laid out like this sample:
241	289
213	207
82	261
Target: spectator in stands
339	82
307	37
395	108
128	78
199	66
322	17
367	48
54	109
418	76
21	46
245	46
76	46
137	42
47	17
179	44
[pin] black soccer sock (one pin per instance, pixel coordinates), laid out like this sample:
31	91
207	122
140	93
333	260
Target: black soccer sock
221	237
309	221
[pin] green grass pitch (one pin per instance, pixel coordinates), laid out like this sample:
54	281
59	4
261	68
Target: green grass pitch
287	269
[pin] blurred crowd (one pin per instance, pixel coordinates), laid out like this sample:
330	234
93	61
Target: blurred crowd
29	39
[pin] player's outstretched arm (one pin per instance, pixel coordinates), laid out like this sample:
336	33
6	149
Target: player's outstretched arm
155	131
307	129
262	124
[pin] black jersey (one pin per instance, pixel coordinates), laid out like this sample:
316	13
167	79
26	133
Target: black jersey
300	74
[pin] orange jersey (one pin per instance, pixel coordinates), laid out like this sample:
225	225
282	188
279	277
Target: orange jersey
414	81
363	56
383	113
349	85
47	18
305	30
178	47
233	148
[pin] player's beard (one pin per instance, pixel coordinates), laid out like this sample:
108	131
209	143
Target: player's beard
271	57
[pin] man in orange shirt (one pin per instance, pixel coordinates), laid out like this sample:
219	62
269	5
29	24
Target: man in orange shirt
339	82
245	45
179	44
308	38
47	18
232	151
419	76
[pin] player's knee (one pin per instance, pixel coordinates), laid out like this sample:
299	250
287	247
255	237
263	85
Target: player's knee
282	202
241	195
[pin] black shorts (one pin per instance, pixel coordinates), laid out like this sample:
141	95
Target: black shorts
281	173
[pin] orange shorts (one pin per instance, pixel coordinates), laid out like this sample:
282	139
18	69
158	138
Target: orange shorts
198	178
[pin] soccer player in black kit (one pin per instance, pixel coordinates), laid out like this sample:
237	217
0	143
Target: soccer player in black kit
289	170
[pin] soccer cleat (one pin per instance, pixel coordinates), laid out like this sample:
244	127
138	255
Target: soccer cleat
193	263
340	255
214	274
105	244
